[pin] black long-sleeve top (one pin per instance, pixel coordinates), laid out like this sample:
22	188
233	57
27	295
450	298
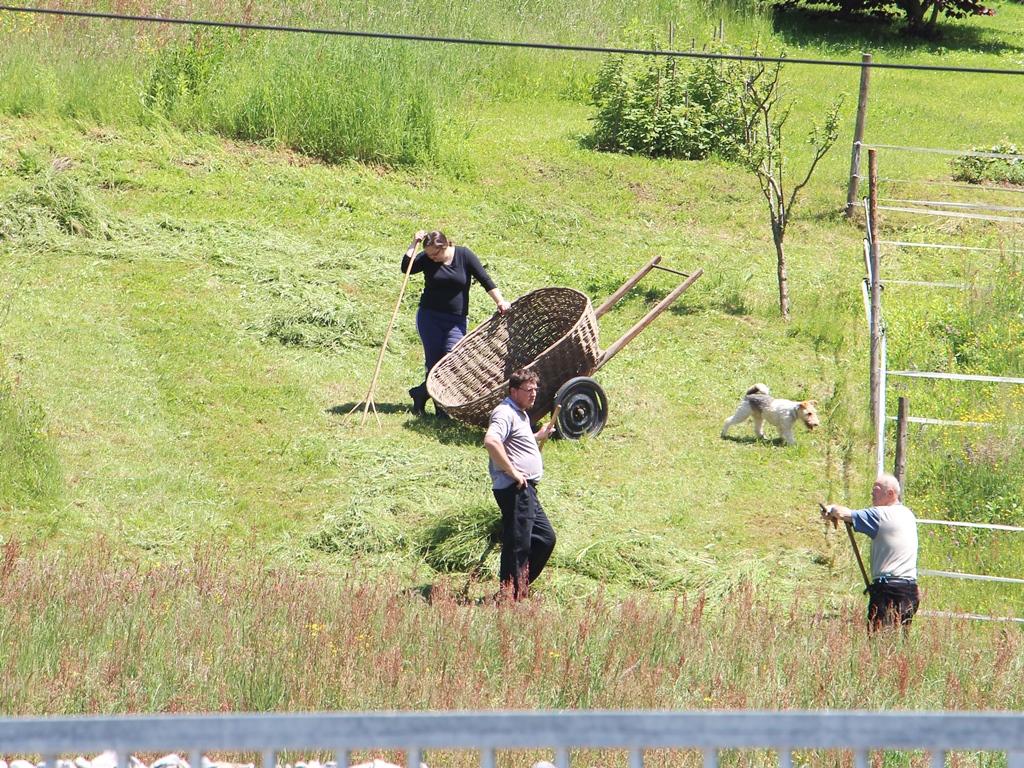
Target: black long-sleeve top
446	286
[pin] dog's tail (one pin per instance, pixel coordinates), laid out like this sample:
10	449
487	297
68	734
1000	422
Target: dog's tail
758	389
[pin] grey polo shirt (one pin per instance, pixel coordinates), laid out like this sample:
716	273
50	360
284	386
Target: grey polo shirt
893	532
511	425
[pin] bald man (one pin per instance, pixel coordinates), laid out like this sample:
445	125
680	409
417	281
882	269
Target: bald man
892	528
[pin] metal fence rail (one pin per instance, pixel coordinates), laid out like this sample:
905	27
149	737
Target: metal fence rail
486	732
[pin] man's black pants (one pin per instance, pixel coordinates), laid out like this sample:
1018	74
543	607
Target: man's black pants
527	538
892	602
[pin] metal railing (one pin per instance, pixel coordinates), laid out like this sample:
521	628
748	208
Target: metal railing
488	732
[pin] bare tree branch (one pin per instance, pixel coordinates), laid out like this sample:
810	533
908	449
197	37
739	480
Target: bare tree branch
764	118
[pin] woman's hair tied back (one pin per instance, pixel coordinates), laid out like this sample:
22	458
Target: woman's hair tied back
436	238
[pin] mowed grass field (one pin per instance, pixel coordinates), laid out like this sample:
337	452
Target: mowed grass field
189	315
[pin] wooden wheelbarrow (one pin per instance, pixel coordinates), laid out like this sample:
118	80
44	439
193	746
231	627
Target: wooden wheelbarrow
552	331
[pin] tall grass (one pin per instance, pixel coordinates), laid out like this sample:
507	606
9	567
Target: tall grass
369	100
88	631
331	97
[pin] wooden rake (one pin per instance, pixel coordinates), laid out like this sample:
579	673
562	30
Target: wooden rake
856	549
368	402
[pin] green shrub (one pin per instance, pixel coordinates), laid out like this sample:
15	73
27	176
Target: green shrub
978	169
184	69
662	107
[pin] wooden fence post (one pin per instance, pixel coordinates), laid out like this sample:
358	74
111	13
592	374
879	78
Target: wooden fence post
858	133
900	465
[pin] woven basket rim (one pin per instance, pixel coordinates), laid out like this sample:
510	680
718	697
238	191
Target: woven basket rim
490	393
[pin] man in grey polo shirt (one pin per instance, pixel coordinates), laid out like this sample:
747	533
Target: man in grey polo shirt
527	538
892	527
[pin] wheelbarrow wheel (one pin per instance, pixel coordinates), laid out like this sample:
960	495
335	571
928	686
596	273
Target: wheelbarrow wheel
584	408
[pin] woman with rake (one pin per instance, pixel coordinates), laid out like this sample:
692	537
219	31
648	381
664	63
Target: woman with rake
448	270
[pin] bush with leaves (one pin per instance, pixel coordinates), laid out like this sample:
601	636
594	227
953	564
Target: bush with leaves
660	106
975	169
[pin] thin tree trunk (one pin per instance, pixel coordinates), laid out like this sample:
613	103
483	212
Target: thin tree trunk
780	255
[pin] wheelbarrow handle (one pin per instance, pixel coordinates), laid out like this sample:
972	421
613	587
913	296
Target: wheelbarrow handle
614	298
664	304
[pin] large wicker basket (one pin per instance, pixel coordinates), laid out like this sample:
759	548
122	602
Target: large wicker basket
552	331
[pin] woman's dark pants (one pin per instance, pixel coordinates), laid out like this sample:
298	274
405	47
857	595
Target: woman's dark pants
439	332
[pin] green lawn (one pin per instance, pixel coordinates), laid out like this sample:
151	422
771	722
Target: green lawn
194	358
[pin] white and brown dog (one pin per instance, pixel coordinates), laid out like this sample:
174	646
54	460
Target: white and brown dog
781	414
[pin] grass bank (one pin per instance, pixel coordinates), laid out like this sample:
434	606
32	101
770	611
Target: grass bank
192	316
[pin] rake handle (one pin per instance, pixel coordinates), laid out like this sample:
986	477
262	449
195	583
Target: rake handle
853	543
856	551
368	400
